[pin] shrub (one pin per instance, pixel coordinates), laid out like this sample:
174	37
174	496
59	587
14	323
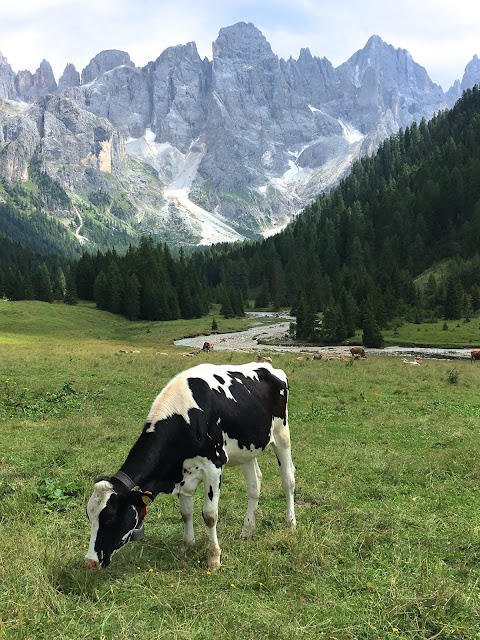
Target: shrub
452	376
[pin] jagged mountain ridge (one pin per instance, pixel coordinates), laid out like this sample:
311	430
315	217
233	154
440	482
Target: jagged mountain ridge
246	139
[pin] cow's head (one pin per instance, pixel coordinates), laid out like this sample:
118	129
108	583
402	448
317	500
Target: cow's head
116	514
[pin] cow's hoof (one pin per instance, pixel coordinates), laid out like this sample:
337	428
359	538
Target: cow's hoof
188	544
213	564
247	534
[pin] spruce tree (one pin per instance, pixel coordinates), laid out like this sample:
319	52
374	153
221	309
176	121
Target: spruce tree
132	297
101	291
71	296
372	336
42	284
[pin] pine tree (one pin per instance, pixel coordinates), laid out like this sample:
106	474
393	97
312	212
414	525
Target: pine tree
132	297
42	284
71	296
306	319
101	291
372	336
115	288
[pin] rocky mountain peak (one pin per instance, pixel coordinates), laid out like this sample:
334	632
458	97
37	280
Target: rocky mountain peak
471	76
7	79
105	61
30	86
70	78
242	42
44	80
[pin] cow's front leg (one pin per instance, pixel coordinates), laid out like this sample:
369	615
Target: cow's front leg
212	483
185	503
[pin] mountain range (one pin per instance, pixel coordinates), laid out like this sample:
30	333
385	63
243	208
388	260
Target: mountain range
199	151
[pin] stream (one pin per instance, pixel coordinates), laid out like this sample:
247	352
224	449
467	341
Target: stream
248	340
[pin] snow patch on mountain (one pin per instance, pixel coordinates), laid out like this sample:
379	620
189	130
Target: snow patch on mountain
349	132
178	172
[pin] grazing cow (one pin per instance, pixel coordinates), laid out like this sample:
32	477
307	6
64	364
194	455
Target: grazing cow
205	418
207	346
474	355
261	358
358	351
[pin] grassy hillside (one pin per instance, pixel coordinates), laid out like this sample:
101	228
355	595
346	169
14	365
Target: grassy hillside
388	487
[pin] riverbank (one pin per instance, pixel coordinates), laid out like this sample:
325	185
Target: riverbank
252	339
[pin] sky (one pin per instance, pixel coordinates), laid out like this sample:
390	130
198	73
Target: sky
441	35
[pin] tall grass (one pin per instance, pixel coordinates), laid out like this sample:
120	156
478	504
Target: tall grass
388	487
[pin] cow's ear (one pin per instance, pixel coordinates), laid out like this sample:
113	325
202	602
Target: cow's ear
141	498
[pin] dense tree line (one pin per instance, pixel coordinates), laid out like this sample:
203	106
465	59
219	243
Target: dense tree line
26	275
146	283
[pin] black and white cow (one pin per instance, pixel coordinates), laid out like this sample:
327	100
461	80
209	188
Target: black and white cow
205	418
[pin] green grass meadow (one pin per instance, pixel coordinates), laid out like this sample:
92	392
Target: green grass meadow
387	543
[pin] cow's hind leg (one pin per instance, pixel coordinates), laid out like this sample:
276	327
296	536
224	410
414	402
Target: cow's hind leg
212	483
281	446
253	479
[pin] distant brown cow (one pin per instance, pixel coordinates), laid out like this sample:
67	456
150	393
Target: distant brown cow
261	358
358	351
207	346
474	355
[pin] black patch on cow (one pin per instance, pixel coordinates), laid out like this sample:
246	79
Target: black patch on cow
278	460
210	493
148	424
247	418
219	482
219	378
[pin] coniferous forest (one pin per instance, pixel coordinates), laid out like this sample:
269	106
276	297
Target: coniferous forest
396	241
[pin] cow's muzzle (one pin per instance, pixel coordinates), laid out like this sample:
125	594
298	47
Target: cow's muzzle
92	564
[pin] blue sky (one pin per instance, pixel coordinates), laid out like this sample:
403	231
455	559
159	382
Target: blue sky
441	35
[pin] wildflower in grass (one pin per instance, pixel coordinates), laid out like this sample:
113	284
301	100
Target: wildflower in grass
209	573
150	570
395	629
232	585
172	585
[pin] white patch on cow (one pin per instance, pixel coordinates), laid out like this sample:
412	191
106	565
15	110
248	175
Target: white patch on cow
238	455
98	501
175	399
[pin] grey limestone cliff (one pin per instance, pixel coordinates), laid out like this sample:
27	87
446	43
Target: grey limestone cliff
246	138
